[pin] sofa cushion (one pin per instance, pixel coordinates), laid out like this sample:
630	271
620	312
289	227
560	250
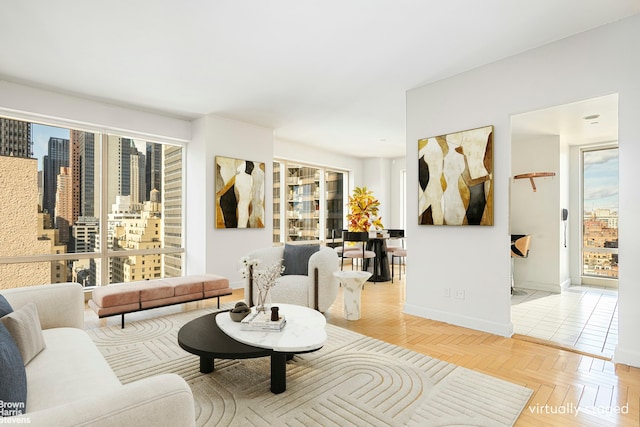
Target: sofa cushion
24	326
296	259
69	369
5	307
13	379
292	289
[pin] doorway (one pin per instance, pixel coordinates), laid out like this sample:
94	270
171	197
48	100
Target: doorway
565	289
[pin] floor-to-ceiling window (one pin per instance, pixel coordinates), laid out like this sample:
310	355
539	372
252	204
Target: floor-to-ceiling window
85	206
309	202
600	215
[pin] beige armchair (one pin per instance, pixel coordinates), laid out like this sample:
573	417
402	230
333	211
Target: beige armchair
316	288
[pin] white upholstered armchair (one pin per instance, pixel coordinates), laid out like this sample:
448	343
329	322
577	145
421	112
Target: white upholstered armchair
308	283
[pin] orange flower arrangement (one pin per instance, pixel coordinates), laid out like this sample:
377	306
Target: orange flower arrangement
363	211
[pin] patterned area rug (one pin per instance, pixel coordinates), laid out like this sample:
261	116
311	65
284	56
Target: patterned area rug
353	380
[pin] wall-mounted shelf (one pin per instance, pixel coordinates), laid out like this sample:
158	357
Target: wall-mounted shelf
534	175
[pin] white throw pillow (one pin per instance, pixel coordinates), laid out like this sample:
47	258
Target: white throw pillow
24	326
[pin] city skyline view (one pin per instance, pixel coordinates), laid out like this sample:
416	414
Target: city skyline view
59	208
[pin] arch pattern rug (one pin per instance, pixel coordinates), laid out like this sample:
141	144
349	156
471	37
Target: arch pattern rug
354	380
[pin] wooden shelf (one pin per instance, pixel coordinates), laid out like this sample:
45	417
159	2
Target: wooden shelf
532	175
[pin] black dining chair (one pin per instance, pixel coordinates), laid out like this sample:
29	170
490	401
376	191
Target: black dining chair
360	238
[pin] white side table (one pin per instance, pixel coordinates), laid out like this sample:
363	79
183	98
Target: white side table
352	282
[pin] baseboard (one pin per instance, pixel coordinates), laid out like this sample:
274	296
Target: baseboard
626	357
502	329
565	285
540	286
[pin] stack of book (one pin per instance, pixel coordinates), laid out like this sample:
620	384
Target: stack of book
262	322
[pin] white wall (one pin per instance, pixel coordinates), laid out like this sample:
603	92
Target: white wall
596	63
396	198
211	250
537	213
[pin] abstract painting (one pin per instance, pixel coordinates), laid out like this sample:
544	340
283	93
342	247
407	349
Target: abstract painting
240	191
455	174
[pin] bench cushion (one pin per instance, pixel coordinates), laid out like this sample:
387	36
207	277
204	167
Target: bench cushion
117	294
155	290
212	282
185	285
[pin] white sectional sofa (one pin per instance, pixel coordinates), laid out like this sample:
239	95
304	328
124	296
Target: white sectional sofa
69	383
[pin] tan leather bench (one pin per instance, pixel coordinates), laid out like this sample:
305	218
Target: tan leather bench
122	298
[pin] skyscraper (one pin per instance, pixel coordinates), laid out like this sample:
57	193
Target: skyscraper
56	158
154	168
137	179
172	208
86	148
119	164
64	204
15	138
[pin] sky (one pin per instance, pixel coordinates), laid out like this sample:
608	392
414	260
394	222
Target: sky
601	179
41	135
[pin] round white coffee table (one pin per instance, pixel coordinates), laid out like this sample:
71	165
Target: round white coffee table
304	332
352	282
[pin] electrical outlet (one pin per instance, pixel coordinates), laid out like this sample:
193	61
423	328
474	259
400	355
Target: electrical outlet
460	293
446	292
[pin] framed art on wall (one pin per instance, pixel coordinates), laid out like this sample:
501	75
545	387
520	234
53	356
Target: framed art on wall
240	189
455	173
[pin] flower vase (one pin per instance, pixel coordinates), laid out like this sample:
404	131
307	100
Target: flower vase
264	301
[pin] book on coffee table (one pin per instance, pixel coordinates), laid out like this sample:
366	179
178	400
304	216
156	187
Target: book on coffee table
262	322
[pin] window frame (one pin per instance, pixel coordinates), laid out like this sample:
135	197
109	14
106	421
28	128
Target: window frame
102	133
588	279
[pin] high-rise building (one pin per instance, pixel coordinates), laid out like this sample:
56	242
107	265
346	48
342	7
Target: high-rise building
64	204
138	232
84	232
56	158
172	208
153	168
122	210
137	178
119	165
88	158
23	231
15	138
75	165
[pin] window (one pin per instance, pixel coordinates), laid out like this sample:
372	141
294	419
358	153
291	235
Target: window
600	213
84	198
308	202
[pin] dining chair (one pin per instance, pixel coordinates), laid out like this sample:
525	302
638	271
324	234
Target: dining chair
359	238
397	251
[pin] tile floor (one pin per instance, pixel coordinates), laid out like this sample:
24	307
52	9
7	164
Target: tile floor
581	317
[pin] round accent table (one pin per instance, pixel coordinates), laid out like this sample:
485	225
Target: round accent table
352	282
304	332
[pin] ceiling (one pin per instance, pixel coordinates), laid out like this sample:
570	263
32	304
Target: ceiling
329	73
586	122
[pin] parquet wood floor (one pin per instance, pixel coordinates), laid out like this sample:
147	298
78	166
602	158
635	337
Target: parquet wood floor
561	380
